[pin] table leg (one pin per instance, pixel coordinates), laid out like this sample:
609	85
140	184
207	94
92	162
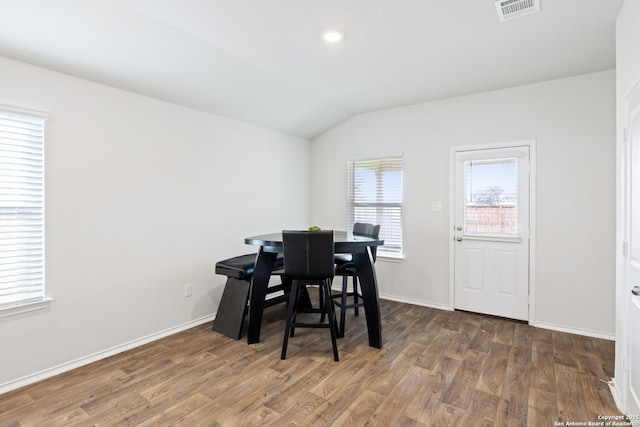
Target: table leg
259	284
369	285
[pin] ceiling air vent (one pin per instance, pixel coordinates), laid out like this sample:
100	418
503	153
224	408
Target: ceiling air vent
510	9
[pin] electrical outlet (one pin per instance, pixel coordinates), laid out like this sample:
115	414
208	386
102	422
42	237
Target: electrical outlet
187	290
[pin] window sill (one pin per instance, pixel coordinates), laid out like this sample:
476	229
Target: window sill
26	307
390	258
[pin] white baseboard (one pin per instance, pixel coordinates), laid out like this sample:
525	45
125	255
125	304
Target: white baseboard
616	393
338	288
543	325
420	303
576	331
64	367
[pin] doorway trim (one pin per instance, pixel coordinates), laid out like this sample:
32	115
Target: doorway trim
620	383
531	143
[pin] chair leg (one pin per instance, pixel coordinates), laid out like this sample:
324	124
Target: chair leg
332	318
299	289
355	294
291	312
343	305
323	312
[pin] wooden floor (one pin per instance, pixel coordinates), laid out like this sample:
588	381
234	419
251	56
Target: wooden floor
435	368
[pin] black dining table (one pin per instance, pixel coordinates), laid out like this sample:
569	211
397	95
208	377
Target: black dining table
344	243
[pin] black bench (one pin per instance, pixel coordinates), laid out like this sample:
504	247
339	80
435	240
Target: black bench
235	298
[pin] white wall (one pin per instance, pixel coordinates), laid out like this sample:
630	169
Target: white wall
142	197
573	122
627	42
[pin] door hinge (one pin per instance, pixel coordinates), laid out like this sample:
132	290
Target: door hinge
624	134
625	249
624	362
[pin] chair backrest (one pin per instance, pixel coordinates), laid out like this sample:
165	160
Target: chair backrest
367	230
308	254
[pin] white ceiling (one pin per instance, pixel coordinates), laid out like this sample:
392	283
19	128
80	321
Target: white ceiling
264	62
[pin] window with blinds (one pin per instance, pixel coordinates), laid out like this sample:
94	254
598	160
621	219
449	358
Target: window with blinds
375	197
21	208
491	197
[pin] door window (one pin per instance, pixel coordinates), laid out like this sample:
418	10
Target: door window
491	197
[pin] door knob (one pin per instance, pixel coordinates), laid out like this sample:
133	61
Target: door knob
635	290
459	228
459	239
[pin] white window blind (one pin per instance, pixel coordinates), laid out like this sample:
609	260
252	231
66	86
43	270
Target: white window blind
21	208
375	197
491	197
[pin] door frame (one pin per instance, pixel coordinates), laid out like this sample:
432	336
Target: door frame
620	385
531	143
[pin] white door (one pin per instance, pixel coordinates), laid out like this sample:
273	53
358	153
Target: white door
491	235
633	253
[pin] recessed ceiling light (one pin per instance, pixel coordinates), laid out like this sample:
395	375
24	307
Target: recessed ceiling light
332	36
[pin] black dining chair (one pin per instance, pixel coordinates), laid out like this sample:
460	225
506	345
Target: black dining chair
346	268
309	259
